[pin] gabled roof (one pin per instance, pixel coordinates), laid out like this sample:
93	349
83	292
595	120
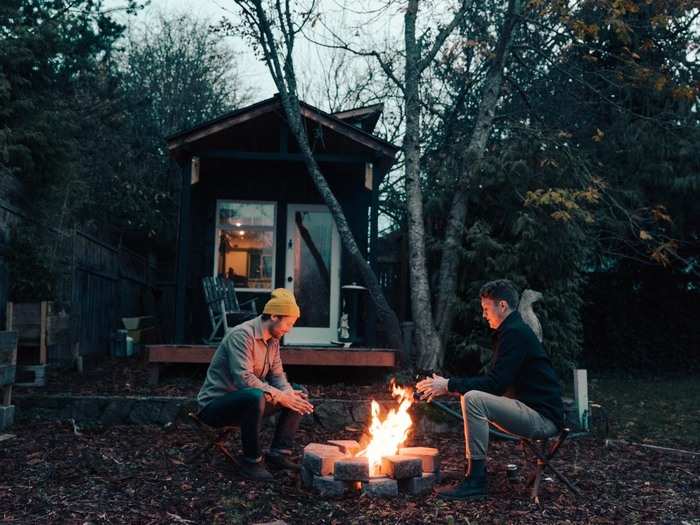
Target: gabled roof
341	123
365	117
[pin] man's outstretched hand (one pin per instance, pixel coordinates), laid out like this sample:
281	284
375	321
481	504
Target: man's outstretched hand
432	387
296	400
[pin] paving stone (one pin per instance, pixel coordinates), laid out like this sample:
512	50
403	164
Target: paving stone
307	477
320	461
401	467
383	487
429	456
321	446
346	446
329	486
352	469
418	484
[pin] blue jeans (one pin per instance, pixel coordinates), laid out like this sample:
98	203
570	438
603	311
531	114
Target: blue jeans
246	408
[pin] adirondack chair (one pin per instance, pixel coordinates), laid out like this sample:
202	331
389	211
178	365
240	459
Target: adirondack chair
224	309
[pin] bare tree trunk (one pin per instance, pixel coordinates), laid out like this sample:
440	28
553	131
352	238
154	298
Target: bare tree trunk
427	336
385	313
282	70
449	263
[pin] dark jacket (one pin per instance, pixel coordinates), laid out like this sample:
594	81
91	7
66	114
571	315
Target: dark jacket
521	368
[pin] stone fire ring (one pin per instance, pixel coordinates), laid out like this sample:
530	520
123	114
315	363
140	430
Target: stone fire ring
332	469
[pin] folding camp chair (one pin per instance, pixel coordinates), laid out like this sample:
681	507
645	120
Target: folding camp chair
224	309
541	449
214	438
543	452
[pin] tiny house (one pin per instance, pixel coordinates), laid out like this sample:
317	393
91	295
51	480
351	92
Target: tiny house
249	211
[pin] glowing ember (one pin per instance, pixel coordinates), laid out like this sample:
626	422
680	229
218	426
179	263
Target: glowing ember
388	434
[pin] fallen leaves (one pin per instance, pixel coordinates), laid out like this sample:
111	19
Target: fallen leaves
118	476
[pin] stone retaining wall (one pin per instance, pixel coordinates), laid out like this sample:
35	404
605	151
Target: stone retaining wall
331	414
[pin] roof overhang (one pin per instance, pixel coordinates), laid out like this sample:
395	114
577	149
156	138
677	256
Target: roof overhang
385	151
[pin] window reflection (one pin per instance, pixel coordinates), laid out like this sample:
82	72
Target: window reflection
246	239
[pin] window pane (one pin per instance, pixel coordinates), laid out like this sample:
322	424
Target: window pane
245	257
313	238
239	214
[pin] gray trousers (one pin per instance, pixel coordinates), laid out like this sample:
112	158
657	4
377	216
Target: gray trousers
510	416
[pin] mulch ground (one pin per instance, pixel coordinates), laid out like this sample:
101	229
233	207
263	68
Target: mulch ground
55	473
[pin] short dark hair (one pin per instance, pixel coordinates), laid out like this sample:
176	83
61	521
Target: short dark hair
501	290
265	317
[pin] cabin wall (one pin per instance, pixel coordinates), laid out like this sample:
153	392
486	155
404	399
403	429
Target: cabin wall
281	182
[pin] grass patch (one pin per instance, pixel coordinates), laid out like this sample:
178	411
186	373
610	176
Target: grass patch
656	410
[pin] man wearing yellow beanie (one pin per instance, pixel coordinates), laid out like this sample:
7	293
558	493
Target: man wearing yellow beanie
246	382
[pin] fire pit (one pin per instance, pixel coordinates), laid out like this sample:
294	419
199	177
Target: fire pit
380	467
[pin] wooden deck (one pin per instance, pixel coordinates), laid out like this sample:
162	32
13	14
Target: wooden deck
291	355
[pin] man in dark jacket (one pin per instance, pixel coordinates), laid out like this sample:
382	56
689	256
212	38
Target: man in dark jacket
520	394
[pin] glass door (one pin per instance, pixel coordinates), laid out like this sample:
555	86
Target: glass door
313	273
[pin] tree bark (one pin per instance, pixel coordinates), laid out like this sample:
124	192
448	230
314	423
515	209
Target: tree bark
282	71
450	260
385	313
427	337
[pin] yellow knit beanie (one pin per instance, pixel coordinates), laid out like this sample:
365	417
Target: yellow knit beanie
282	303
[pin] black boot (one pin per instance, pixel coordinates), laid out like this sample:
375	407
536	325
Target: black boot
252	469
473	487
279	461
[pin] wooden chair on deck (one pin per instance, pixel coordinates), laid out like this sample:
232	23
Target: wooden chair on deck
224	309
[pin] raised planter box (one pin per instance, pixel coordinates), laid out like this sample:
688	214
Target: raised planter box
8	368
38	326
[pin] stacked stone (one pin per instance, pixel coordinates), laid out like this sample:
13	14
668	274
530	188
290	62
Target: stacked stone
430	470
332	470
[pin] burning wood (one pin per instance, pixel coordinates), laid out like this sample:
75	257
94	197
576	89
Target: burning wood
381	466
390	433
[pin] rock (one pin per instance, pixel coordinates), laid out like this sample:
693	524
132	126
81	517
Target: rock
329	486
352	469
428	426
361	412
418	485
116	413
307	477
346	446
401	467
383	487
321	461
430	457
333	414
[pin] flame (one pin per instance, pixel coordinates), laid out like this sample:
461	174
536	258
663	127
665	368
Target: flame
388	434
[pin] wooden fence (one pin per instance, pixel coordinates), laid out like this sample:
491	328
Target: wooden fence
98	284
